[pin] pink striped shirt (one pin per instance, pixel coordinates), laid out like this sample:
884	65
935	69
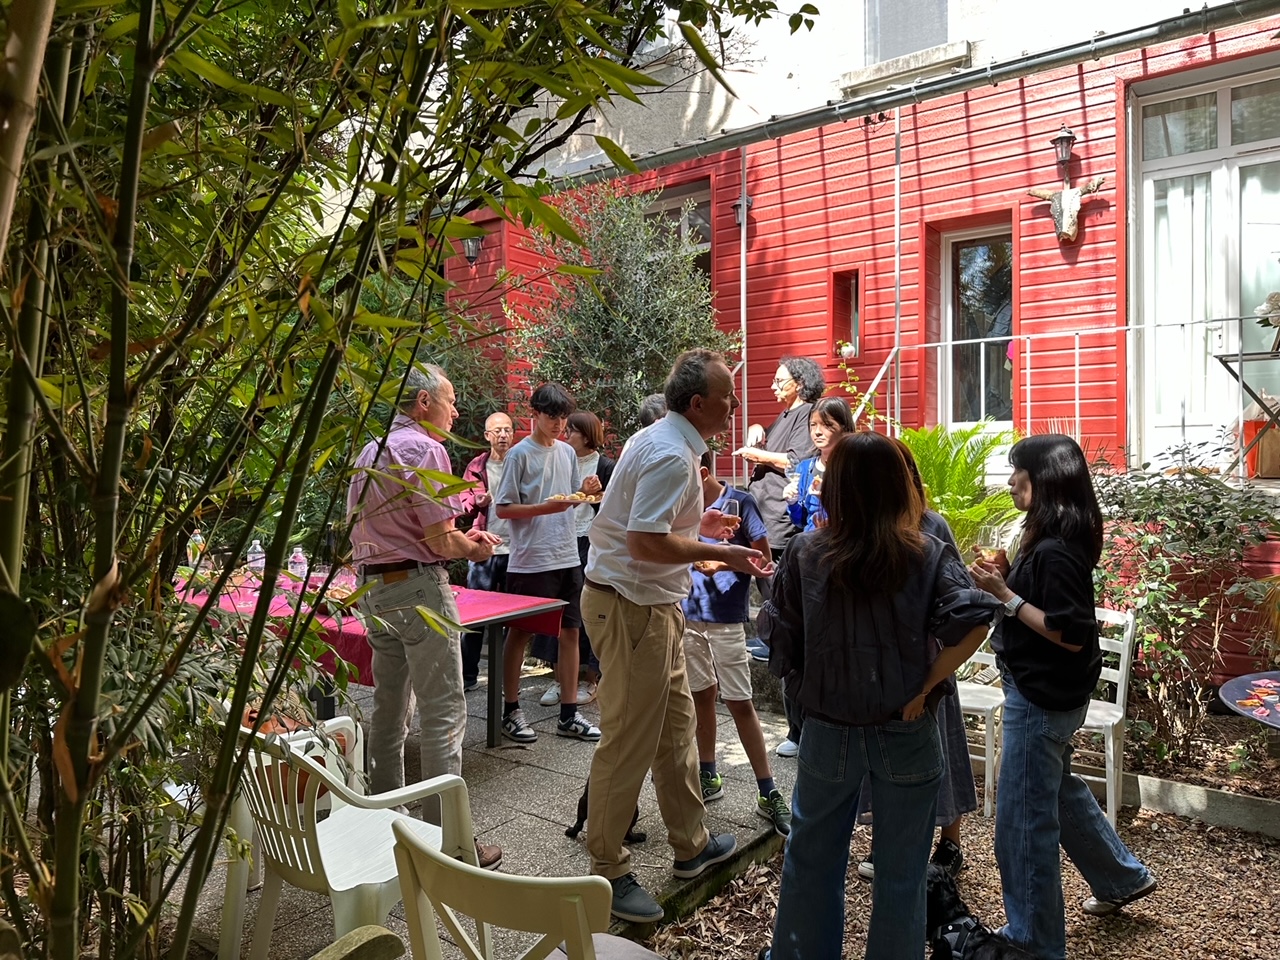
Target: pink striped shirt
400	503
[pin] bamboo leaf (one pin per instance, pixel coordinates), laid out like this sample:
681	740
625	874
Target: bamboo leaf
619	157
219	77
694	39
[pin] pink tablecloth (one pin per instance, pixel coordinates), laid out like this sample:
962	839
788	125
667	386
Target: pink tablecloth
475	609
349	638
344	632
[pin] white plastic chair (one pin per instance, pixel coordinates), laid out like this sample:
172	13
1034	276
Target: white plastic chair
1108	717
985	701
573	911
348	855
344	750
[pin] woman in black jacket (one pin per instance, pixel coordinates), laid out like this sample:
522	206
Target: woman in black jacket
855	607
1047	645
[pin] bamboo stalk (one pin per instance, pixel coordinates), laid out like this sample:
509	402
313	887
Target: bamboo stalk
29	24
81	716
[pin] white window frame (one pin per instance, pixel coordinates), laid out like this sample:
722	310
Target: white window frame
946	381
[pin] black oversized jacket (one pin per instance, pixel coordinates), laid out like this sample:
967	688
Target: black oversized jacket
854	659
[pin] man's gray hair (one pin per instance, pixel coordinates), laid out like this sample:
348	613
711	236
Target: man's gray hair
688	378
417	378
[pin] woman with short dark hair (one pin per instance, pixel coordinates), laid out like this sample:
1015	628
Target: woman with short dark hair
855	607
1048	652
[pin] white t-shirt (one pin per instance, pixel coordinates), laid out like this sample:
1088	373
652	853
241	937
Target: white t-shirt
533	473
655	488
494	523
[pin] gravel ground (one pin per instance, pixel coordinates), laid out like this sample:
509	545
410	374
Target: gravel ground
1219	899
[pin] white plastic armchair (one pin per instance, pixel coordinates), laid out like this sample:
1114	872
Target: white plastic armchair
349	855
572	912
985	701
1107	717
343	750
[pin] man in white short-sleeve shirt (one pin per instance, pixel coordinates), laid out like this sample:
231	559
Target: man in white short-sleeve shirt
637	574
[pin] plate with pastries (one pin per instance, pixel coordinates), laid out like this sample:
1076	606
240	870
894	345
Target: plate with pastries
578	497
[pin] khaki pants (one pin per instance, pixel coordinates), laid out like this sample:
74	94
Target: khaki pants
646	721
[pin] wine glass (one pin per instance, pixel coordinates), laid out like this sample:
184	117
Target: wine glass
988	546
730	513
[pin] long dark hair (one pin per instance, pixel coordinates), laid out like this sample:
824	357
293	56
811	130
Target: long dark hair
1063	502
873	514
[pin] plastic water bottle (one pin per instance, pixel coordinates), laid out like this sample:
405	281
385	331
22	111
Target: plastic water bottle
257	557
298	563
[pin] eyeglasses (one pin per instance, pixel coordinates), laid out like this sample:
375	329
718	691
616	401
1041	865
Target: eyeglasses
499	432
783	382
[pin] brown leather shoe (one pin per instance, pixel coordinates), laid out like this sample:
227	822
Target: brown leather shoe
489	855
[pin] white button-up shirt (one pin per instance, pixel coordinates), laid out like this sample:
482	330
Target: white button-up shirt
656	488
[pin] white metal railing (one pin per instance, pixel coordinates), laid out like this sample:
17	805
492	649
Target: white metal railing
891	369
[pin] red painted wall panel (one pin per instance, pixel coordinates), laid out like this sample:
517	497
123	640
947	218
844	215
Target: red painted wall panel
823	203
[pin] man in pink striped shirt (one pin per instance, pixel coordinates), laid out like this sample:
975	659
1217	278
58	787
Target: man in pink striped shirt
402	536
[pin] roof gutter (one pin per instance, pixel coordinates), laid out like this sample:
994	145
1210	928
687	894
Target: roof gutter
1186	24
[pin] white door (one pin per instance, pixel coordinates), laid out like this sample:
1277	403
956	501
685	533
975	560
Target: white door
1210	248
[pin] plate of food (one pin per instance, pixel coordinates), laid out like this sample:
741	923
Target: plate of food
578	497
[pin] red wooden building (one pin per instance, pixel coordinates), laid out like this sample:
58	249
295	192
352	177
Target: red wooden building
900	222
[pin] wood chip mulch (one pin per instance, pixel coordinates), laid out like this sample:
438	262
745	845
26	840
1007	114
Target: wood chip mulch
1219	899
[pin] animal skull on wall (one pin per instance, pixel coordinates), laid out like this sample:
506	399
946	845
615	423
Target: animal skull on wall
1064	205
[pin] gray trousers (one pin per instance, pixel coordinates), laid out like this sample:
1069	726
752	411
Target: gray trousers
411	658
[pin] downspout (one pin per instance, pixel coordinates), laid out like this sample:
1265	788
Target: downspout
895	410
744	204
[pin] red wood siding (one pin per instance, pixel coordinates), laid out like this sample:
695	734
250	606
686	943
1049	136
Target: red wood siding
823	204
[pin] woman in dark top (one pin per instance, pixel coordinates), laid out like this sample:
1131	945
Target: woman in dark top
797	383
1049	656
855	607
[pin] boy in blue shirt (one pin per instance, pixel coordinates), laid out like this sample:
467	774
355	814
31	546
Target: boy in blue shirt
716	659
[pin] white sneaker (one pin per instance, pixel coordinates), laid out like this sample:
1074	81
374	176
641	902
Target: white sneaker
788	748
552	695
586	692
578	727
514	727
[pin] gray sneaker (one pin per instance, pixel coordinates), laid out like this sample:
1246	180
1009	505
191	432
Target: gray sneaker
515	727
720	847
632	902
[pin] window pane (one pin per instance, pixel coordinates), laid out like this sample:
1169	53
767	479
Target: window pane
699	229
898	27
1176	127
1259	242
1255	112
982	309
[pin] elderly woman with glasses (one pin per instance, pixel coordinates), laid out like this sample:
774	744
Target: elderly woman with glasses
772	450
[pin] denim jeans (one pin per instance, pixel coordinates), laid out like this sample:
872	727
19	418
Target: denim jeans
489	575
1041	803
903	762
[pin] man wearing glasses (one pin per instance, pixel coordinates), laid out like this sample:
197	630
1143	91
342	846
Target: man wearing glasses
485	471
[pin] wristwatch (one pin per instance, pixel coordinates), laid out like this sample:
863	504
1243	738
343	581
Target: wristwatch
1012	605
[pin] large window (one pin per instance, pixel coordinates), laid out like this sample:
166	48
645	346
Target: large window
898	27
1210	236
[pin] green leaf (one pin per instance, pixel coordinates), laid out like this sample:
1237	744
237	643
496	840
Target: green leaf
617	156
694	39
219	77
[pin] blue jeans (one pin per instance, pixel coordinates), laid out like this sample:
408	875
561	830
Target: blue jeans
1041	803
489	575
904	764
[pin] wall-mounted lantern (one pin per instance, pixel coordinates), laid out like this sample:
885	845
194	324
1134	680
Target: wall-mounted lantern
471	249
1064	204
